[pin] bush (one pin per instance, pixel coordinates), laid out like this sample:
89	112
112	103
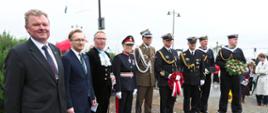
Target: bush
7	41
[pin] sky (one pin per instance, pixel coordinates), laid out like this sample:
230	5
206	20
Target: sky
214	18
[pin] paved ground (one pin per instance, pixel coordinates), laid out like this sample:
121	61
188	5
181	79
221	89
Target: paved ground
249	106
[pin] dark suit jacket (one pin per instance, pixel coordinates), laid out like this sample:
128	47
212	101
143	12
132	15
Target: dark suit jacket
100	75
30	86
79	88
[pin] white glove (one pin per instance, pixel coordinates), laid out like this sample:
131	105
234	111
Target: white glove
206	71
202	82
178	77
169	76
135	92
118	95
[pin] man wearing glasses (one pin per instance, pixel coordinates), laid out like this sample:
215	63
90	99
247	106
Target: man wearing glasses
77	73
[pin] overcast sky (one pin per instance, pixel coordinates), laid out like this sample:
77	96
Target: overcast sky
215	18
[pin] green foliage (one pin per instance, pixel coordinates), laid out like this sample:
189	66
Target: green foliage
7	41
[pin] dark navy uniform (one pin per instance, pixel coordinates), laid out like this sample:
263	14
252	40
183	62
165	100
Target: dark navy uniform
209	62
229	82
124	69
101	78
192	64
166	62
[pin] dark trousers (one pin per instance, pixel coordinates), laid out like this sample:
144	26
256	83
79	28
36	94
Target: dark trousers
191	99
145	94
205	90
103	99
125	103
230	83
166	100
262	99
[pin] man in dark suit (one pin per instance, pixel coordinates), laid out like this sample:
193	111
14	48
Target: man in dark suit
78	81
34	80
100	63
166	62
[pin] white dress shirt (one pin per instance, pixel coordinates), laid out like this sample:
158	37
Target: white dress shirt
40	45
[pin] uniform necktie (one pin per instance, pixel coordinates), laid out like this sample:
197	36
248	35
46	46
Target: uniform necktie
50	61
82	60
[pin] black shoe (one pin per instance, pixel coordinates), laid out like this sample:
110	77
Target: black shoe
220	112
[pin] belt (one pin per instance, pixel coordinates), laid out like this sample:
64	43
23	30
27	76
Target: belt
127	74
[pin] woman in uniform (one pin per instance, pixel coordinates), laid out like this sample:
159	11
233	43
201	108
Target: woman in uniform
123	67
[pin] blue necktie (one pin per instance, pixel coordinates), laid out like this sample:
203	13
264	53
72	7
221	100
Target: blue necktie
83	63
50	61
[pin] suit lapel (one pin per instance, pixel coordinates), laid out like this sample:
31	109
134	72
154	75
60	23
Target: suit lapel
96	55
77	62
40	58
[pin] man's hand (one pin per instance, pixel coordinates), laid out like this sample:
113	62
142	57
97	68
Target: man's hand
202	82
135	92
113	79
94	102
206	71
119	95
70	110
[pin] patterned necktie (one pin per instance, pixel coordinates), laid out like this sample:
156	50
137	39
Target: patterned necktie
82	60
50	61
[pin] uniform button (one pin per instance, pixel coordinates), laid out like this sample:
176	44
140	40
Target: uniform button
105	78
106	74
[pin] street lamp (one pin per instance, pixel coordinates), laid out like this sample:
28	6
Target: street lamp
100	19
174	14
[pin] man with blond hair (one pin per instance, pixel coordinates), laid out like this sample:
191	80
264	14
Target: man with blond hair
34	80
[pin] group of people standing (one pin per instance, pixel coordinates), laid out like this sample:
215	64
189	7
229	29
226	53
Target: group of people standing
39	80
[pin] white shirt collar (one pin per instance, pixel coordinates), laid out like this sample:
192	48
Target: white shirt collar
145	45
168	48
192	51
38	44
77	54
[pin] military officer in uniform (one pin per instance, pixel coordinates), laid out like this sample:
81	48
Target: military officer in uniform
230	82
124	69
166	62
144	56
101	67
210	67
192	65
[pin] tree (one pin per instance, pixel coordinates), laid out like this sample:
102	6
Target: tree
7	41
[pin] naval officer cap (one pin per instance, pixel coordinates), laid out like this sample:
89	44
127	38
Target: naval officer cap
203	38
129	40
167	37
192	40
232	36
146	33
